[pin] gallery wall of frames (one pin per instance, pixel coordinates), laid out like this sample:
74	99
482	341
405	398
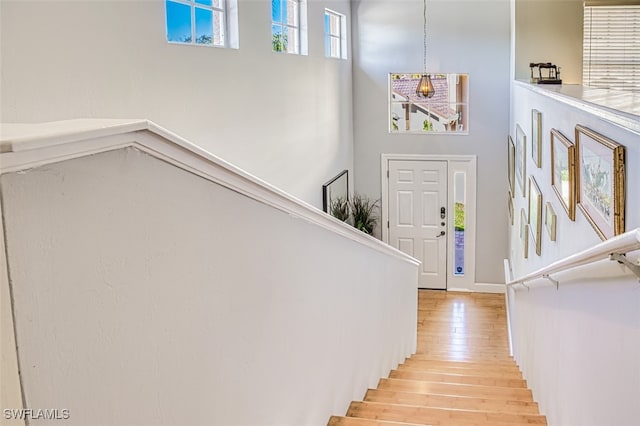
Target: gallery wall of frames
571	180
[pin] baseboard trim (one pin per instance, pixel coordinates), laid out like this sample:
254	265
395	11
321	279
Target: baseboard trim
481	288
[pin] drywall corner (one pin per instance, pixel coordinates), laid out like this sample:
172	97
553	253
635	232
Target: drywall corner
10	391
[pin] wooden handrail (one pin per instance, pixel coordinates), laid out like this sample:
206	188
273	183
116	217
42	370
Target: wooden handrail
613	249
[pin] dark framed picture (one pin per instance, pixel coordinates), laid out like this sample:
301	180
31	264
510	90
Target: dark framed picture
563	171
335	193
601	181
535	214
511	162
536	137
521	159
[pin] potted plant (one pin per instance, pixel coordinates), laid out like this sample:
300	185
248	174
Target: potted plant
364	212
340	208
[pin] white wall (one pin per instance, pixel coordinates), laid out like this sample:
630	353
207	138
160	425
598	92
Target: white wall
464	37
578	347
145	295
10	393
549	31
284	118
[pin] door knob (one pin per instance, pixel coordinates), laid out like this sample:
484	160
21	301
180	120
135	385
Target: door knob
442	233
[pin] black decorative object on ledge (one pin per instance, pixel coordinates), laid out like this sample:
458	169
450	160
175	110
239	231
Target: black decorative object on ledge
552	73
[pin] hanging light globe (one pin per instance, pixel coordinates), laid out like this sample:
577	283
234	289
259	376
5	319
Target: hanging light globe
425	87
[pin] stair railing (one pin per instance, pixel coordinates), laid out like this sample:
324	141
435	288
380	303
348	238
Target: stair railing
614	249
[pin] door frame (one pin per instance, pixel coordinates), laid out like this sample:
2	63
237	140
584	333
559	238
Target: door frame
455	163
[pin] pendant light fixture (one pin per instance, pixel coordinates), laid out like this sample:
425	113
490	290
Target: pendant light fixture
425	87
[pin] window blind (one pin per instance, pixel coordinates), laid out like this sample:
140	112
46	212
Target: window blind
611	47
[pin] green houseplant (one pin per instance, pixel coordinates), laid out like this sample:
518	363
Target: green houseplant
340	208
364	212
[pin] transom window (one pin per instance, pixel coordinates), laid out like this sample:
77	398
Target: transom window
201	22
335	29
288	26
611	48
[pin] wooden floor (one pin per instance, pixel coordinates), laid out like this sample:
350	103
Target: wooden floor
462	373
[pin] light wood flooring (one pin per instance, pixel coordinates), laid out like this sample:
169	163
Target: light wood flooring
462	373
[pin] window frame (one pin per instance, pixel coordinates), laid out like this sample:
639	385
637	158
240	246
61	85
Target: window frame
194	5
299	29
341	36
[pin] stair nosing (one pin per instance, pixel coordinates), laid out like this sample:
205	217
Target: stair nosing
445	409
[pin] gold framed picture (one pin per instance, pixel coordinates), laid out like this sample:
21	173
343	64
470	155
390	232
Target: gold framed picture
510	208
550	220
536	137
521	159
563	171
524	233
511	160
601	181
535	214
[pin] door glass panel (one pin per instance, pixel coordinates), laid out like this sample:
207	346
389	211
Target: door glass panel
459	179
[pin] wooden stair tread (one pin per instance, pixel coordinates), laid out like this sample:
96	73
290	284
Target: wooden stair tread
475	372
461	375
453	352
457	378
416	386
457	347
450	401
459	363
479	343
361	421
437	416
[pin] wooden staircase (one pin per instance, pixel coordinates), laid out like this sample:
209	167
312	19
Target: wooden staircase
462	373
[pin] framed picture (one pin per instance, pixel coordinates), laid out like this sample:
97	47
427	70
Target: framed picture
511	160
550	220
601	181
535	214
521	158
510	208
536	137
336	190
524	233
563	171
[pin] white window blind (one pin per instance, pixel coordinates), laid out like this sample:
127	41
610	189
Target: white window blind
611	49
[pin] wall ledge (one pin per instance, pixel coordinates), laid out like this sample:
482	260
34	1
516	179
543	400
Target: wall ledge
615	106
26	146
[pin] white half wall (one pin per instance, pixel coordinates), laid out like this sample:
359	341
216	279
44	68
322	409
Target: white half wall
147	295
578	346
465	36
10	391
284	118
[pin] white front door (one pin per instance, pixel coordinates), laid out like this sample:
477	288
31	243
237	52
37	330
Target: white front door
418	216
